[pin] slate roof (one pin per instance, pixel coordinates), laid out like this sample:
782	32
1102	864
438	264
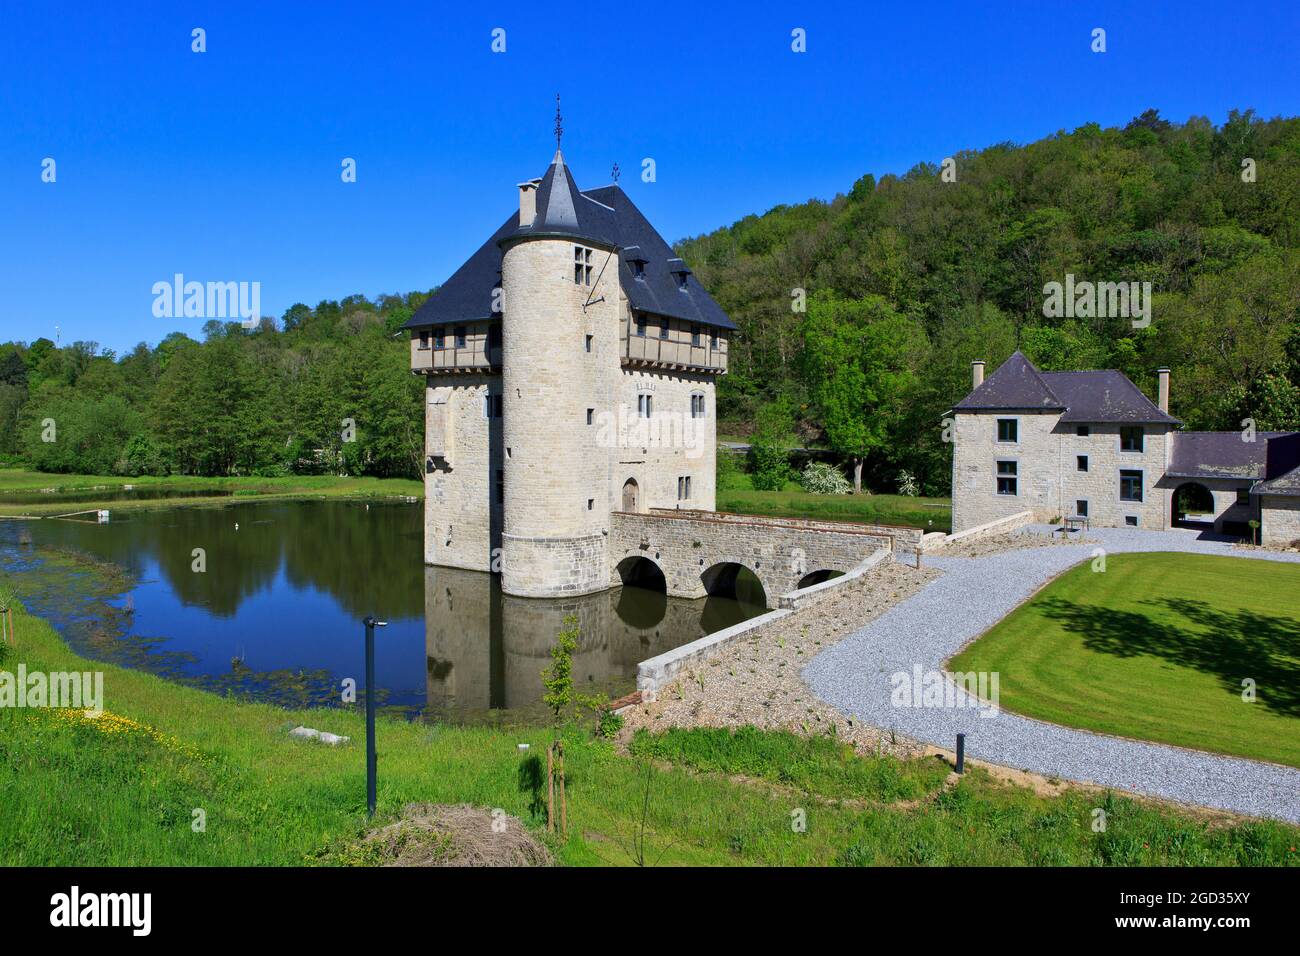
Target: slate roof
1282	475
604	216
1287	485
1098	396
1219	455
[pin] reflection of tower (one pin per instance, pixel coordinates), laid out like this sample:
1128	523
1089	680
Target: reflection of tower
462	624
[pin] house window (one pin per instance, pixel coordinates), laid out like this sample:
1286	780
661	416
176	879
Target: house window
1130	438
591	416
1081	507
1243	496
501	486
684	488
588	343
460	336
663	328
1131	520
695	336
644	406
681	280
1007	480
638	269
440	339
424	339
1130	485
581	266
713	341
1083	431
1008	430
487	405
494	336
697	406
591	503
1080	462
640	326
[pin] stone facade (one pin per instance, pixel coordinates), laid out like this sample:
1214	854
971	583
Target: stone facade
1280	520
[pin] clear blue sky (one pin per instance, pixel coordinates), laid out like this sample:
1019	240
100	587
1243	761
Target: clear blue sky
225	165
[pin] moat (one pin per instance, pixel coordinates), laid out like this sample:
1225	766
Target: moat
274	613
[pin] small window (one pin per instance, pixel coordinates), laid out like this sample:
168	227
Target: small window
1081	507
638	269
1083	431
1008	430
1243	496
681	280
644	406
663	328
460	336
439	339
1130	485
1130	438
591	416
1131	520
695	336
1080	462
487	405
424	339
494	336
713	341
591	504
581	266
1007	478
640	326
684	488
497	403
588	343
697	406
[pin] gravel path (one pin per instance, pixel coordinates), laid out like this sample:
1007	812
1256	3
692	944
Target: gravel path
971	596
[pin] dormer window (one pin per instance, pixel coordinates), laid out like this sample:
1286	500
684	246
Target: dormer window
681	280
640	326
663	328
638	268
581	266
424	339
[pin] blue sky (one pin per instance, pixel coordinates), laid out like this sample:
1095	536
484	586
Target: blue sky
225	165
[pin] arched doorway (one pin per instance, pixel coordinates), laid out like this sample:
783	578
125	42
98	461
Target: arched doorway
1193	506
631	495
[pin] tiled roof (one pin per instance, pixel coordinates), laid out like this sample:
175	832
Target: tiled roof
604	216
1015	386
1219	455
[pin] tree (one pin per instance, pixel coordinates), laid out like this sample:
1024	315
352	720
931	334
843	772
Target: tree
860	358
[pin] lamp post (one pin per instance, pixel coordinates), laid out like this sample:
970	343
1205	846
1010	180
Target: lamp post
371	760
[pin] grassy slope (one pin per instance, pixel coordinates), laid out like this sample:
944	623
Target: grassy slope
122	791
932	514
1157	648
15	480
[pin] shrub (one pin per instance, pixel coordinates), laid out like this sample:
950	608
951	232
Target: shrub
824	479
907	484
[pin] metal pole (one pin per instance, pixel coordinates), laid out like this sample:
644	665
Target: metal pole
371	758
961	753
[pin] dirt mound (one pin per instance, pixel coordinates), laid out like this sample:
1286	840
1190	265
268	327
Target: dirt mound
453	835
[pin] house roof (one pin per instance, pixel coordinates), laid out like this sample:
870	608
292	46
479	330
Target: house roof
604	216
1282	474
1219	455
1287	485
1096	396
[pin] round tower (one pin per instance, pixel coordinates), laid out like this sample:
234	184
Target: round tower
555	516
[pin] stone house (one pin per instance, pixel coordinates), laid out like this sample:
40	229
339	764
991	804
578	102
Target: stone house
569	368
1090	444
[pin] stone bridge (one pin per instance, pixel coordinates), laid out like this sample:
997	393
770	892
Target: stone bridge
699	553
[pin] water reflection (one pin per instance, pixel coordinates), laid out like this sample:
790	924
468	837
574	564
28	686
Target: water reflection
275	612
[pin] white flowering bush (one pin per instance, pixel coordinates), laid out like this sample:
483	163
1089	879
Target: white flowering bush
823	479
907	484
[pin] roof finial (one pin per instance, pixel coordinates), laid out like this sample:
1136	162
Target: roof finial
559	125
614	173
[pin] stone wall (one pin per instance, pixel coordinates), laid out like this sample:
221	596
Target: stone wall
462	517
1279	519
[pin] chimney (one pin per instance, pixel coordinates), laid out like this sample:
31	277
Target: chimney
977	374
1163	394
528	202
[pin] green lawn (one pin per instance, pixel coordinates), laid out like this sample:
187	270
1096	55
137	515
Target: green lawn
122	790
931	514
1157	647
243	488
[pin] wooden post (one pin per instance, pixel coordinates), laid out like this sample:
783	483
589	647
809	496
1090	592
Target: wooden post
550	789
918	555
564	800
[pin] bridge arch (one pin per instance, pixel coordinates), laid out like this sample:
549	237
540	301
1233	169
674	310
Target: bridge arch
732	579
639	571
817	577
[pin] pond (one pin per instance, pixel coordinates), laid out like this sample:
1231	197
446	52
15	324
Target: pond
127	493
265	600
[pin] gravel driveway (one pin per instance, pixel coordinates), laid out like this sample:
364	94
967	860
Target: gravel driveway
971	596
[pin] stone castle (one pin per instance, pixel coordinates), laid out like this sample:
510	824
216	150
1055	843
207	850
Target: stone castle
569	367
1090	445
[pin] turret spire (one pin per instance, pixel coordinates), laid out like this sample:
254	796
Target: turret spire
559	124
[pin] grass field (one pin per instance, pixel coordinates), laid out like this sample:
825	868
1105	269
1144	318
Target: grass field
123	790
932	514
1157	648
21	480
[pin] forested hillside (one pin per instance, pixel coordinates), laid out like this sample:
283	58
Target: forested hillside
908	279
271	401
858	317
